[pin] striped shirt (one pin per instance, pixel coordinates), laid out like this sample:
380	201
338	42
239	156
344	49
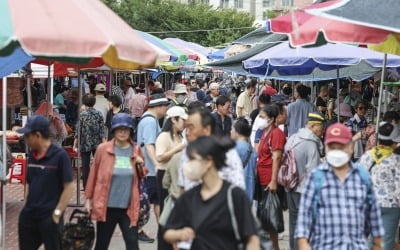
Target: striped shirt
344	217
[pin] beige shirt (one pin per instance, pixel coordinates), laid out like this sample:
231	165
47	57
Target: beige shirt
245	101
165	143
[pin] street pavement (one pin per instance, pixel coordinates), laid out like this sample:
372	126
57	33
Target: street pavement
14	203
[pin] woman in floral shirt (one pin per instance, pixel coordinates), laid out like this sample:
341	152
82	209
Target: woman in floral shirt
91	128
384	167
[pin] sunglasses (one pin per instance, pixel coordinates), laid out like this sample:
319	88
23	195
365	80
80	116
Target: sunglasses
362	108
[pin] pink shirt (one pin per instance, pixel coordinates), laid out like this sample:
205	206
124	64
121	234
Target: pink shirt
138	105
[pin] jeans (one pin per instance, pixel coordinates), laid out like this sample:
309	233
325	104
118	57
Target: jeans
33	232
106	229
86	165
293	200
390	221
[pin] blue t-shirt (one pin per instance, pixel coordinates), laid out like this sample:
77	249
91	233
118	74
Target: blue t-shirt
242	148
122	179
147	132
46	177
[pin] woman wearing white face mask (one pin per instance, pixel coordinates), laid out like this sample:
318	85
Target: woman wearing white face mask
383	166
201	215
270	151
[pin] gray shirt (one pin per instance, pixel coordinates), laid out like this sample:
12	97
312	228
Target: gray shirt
297	115
307	148
122	179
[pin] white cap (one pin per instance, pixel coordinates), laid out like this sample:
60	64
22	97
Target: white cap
177	111
180	89
214	85
100	87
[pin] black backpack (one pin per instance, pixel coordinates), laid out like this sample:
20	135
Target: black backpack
78	234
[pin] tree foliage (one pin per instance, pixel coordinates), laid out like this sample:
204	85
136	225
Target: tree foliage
159	15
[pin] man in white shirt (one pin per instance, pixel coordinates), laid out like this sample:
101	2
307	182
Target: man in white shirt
244	104
201	123
101	102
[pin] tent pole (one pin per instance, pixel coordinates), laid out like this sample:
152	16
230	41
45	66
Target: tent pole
78	167
337	93
4	172
378	115
29	77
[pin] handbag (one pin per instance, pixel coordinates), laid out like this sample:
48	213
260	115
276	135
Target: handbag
78	233
265	242
168	206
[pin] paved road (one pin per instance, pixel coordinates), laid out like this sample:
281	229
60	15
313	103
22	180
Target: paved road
14	196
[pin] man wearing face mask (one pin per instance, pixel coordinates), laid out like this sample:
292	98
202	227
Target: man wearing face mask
202	123
338	207
306	145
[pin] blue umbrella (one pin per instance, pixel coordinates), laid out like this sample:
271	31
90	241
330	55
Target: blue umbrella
301	61
13	62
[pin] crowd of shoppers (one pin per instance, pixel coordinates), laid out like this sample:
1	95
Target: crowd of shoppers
202	161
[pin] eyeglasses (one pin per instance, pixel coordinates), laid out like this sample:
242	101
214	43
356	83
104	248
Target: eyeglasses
192	82
362	108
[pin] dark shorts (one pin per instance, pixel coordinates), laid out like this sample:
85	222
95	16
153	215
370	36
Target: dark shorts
150	187
162	193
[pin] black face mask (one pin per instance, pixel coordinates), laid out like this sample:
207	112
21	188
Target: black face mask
397	151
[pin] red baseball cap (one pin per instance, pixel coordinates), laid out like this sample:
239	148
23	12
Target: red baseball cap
338	133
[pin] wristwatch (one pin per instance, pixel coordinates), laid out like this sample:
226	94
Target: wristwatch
57	212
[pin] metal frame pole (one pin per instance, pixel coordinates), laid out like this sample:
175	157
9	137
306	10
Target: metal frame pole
78	160
378	115
4	171
337	94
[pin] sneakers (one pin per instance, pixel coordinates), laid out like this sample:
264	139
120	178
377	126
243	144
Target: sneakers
142	236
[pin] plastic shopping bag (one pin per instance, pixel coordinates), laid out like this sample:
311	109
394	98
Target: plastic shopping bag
270	213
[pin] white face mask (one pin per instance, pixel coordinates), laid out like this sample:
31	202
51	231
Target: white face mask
337	158
263	123
194	170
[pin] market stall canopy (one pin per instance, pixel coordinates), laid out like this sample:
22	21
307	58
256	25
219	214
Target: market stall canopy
72	31
303	28
236	49
235	62
383	16
218	54
297	61
13	62
255	37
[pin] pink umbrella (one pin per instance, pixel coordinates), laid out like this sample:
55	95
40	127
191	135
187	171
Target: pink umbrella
72	30
304	29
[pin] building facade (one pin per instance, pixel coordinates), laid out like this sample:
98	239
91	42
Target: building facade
256	8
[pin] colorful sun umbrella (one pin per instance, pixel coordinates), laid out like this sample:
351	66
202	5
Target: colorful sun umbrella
72	31
383	17
303	28
297	61
176	54
193	50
